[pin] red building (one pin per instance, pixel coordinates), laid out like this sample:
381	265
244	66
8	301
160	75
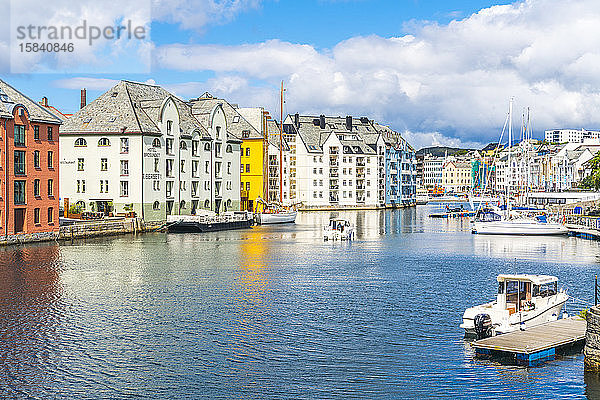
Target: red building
29	198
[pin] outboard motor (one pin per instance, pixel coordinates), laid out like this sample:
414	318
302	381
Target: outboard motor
483	326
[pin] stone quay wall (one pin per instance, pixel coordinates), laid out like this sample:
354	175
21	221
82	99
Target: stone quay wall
592	340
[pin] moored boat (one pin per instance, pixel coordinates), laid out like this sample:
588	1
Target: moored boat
338	229
522	301
209	222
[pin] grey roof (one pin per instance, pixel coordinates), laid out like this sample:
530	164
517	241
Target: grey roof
273	134
131	107
11	97
236	124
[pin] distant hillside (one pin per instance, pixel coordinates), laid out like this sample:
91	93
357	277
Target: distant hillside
440	151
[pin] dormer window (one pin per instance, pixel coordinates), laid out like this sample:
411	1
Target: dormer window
156	143
245	134
103	142
80	142
182	145
236	119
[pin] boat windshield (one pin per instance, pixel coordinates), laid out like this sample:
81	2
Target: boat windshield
545	290
541	218
488	216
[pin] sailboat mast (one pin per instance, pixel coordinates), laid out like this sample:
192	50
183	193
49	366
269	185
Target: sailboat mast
281	148
510	107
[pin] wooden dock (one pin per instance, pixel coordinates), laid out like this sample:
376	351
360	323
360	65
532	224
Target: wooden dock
536	344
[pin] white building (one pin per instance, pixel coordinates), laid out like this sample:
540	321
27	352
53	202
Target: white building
570	135
337	161
139	148
432	171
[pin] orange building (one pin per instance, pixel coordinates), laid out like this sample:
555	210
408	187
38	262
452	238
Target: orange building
29	197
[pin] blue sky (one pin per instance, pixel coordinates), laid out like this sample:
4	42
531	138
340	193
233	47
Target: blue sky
439	71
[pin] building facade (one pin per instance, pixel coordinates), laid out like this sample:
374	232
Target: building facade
570	135
139	149
29	154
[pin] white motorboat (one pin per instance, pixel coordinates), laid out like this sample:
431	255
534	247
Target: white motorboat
522	301
338	229
489	222
276	217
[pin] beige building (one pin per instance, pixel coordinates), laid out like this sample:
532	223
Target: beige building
456	176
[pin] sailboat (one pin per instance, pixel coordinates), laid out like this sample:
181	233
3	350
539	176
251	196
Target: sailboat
492	221
276	213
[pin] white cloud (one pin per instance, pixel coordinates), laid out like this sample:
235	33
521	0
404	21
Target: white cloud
452	79
88	83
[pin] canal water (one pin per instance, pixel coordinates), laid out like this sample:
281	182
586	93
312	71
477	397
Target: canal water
275	312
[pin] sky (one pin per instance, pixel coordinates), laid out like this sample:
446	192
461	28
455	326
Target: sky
439	72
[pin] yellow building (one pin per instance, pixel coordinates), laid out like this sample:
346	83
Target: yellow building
254	157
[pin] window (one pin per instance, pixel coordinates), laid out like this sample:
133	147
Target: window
194	188
156	206
19	192
229	149
218	132
80	186
195	164
247	167
156	143
124	188
169	127
50	188
182	166
229	168
104	164
50	135
36	132
36	159
206	146
207	167
169	146
217	149
36	216
124	167
182	186
247	186
124	145
156	186
36	187
247	151
206	203
194	147
156	164
183	145
103	186
169	168
50	160
19	162
245	134
242	168
169	188
103	142
19	135
80	164
50	215
80	142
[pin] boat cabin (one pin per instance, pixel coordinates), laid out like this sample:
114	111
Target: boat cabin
521	292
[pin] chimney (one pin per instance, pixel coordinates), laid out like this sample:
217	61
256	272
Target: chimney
322	121
297	120
83	98
44	101
349	123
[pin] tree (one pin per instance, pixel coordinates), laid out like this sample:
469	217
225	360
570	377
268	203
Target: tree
592	181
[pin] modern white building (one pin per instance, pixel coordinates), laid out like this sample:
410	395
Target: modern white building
570	135
341	162
138	148
432	171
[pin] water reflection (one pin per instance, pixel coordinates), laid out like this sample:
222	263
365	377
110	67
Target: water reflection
31	312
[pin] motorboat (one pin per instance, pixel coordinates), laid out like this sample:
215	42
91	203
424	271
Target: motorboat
207	221
522	301
338	229
492	222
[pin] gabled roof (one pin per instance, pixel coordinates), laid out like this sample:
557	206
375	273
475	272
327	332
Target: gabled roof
126	107
273	135
236	124
11	97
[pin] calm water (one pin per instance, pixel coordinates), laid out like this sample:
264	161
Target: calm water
275	312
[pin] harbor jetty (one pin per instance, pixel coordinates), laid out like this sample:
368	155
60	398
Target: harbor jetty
537	344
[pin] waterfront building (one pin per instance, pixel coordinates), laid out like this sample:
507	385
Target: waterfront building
337	161
432	171
400	169
29	154
570	135
456	175
274	172
138	149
